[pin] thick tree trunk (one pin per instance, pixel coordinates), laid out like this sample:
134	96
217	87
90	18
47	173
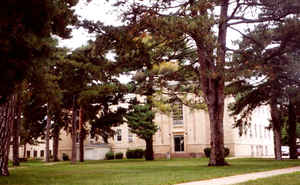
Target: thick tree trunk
6	122
216	113
74	133
212	85
82	135
149	154
47	135
292	135
55	142
276	124
16	132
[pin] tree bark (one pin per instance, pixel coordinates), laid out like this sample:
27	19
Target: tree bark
292	135
16	131
47	135
82	135
212	85
277	126
149	154
74	132
6	122
56	130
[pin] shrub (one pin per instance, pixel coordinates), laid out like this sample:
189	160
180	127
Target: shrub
119	155
139	153
207	152
23	159
65	157
227	151
130	154
135	154
109	156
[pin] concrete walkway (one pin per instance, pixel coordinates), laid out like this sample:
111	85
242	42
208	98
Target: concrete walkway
243	178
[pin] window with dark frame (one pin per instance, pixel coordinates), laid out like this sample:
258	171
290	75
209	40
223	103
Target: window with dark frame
42	153
28	154
34	153
119	135
177	113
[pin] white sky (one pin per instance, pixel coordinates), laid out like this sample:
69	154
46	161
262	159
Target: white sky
101	10
104	11
96	10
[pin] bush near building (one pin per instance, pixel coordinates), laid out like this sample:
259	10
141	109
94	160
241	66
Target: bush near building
207	151
135	154
109	156
119	155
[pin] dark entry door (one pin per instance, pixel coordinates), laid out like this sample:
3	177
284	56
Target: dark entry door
179	143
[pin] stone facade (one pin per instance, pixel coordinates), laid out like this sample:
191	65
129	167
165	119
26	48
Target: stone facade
189	136
183	135
33	151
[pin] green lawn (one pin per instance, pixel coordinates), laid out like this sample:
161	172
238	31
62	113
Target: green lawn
287	179
132	172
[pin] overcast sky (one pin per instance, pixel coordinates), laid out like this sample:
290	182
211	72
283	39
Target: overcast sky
104	11
95	10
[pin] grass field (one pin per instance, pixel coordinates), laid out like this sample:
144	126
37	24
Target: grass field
131	172
287	179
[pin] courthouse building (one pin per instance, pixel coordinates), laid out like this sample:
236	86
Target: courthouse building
186	134
182	134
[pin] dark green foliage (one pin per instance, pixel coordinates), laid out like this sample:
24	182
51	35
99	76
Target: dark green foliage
135	154
273	68
109	156
139	120
65	157
26	30
207	152
119	155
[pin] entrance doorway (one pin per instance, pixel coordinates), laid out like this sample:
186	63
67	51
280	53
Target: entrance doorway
179	143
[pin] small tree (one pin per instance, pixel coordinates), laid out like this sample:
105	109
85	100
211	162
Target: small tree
140	122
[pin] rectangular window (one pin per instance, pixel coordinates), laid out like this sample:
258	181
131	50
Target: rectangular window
28	154
177	114
130	137
119	135
34	153
260	131
42	153
179	143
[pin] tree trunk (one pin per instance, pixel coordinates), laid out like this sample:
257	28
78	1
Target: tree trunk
149	154
6	122
82	135
81	144
276	124
292	136
16	132
212	85
47	135
74	133
55	142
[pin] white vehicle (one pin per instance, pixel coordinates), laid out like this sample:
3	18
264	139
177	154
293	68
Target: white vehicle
285	150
